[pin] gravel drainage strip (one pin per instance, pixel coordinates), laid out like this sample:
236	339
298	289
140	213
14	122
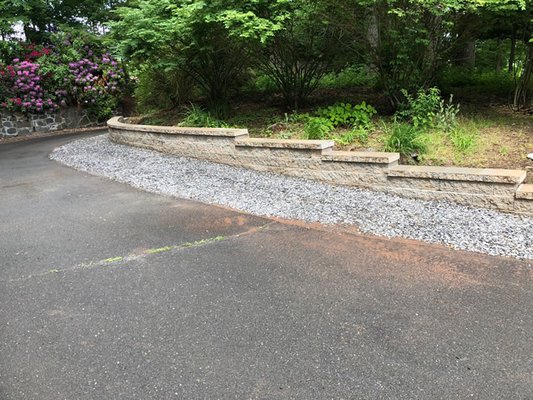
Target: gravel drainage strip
272	195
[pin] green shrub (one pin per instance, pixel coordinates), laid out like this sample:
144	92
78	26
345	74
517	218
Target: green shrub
453	77
297	118
422	108
346	114
159	89
104	108
198	117
428	110
404	138
486	82
259	82
352	76
318	128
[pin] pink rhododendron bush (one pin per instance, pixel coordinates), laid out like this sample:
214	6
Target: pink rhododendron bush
41	79
25	89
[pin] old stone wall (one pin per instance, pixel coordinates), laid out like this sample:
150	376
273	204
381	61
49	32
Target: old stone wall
498	189
16	124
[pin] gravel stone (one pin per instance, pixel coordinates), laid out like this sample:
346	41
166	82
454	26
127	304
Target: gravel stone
268	194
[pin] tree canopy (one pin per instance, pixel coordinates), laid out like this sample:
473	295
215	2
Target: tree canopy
218	44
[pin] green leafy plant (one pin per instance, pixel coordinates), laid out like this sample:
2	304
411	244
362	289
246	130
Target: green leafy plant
421	109
404	138
198	117
462	140
297	118
186	36
446	116
428	110
346	114
318	128
360	134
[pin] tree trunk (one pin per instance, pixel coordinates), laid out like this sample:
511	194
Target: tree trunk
469	54
499	56
373	31
465	46
512	54
524	90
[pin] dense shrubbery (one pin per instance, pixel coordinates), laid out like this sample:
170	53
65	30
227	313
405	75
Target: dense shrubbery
295	47
210	52
97	83
24	89
500	83
67	72
158	89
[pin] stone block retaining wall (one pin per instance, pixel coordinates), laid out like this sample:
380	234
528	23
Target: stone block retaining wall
498	189
15	124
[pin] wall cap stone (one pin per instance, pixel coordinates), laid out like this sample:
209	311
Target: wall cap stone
116	123
510	176
500	189
369	157
525	192
286	143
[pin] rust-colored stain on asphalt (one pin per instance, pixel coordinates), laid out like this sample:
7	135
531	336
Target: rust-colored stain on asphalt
396	258
215	222
239	220
403	260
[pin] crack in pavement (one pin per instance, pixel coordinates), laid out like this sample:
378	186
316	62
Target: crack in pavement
114	261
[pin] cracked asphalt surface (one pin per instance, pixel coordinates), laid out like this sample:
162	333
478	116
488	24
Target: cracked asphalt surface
107	292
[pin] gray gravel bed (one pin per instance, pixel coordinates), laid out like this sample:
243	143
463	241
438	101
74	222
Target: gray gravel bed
269	194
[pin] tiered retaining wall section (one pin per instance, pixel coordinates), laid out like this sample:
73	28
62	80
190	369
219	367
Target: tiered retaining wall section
498	189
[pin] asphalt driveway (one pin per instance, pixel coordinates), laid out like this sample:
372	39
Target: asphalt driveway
107	292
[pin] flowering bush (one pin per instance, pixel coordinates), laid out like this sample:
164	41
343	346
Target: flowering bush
5	82
33	52
24	88
93	79
44	78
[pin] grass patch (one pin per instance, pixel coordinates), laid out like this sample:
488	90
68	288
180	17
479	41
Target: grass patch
404	138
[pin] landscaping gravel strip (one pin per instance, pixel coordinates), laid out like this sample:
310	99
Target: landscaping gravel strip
273	195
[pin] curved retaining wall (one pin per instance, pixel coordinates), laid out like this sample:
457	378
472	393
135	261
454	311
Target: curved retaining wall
498	189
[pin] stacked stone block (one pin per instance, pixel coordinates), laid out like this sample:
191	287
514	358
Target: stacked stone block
497	189
16	124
